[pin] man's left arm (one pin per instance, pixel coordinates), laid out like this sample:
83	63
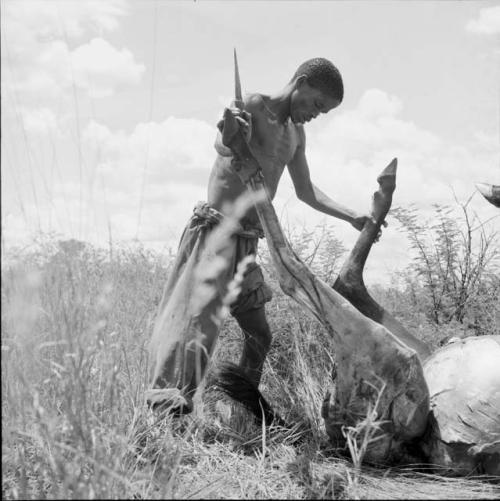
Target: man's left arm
310	194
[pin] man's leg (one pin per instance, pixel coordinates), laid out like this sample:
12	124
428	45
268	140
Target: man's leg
257	341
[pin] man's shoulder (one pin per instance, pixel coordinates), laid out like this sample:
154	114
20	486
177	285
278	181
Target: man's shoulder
254	102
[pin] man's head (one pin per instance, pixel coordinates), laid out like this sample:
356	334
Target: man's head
317	88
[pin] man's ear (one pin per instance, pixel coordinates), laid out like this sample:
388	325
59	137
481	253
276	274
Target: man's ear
300	80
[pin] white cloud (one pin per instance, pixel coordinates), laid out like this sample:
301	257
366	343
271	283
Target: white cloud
175	149
375	104
44	60
96	67
175	156
352	147
101	67
488	22
173	160
40	120
44	21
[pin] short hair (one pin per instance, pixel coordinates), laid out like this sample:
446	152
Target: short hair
322	74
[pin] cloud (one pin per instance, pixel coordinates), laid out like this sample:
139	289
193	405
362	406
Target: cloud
175	149
44	21
375	103
488	22
101	68
40	121
46	58
96	67
352	147
172	159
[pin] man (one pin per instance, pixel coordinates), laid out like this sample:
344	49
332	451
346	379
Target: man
274	128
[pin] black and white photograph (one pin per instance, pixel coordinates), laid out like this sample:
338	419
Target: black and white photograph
250	249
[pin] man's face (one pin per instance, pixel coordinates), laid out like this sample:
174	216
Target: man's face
308	102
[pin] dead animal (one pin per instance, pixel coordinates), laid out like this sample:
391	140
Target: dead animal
445	405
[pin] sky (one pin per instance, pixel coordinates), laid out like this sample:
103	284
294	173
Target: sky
109	110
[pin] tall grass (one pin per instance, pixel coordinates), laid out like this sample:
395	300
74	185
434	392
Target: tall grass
76	322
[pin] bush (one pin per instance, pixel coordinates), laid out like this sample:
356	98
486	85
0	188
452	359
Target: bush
454	278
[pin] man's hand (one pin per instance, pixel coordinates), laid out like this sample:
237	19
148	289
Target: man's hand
359	222
244	119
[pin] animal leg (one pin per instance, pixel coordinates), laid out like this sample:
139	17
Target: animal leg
350	280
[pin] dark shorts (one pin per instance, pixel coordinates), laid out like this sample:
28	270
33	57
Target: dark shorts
254	291
190	311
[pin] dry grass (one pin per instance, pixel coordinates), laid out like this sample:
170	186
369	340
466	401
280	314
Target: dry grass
75	326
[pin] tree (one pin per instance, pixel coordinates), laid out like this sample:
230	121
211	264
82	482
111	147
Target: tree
456	264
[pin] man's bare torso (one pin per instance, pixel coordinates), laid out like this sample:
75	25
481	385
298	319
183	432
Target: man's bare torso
274	145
